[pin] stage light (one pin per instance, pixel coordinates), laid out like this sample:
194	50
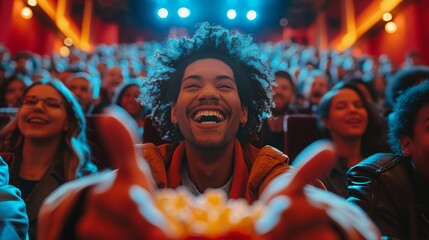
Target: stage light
162	13
184	12
68	42
64	51
26	13
387	17
32	3
390	27
231	14
251	15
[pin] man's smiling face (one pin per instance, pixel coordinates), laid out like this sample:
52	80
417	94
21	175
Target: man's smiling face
208	109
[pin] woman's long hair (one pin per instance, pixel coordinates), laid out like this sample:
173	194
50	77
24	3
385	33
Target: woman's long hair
374	139
73	149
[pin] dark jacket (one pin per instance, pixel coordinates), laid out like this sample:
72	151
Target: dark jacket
388	188
53	178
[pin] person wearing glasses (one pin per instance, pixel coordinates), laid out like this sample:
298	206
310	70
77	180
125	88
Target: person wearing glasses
48	142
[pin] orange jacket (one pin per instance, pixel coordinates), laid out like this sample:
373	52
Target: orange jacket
253	168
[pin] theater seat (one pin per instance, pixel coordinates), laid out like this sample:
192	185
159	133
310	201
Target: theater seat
300	131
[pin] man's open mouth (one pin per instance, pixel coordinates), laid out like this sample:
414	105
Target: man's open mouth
207	117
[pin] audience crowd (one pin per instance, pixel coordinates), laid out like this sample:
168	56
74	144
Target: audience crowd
356	100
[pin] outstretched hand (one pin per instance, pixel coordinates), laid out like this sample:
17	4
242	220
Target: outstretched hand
122	208
297	211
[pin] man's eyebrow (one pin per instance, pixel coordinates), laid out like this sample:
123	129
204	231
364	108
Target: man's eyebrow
224	77
192	77
219	77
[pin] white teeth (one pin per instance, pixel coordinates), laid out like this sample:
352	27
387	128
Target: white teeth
216	114
211	122
36	120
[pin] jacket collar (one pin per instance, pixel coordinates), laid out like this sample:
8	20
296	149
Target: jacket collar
240	173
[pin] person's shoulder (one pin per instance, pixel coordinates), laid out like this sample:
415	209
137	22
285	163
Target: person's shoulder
381	162
383	169
265	153
149	149
268	158
272	152
157	153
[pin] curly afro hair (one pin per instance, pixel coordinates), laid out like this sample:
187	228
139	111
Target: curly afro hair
403	119
161	87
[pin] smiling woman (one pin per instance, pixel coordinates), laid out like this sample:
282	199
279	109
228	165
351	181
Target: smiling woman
48	141
355	128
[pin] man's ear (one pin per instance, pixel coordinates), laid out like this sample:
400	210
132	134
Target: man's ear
406	146
243	116
173	115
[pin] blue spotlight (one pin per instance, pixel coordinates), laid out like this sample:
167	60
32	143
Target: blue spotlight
162	13
231	14
184	12
251	15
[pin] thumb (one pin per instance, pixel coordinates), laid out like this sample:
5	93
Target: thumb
312	163
118	134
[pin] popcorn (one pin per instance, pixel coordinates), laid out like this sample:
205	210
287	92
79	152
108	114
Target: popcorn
208	216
